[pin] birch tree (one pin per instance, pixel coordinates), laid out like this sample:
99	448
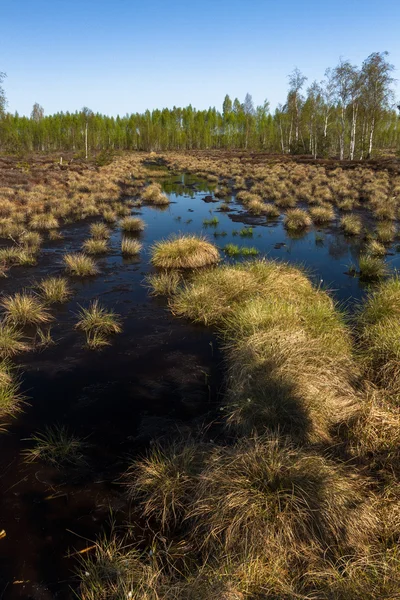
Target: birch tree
355	88
296	82
249	112
377	92
3	100
328	93
343	76
37	113
86	114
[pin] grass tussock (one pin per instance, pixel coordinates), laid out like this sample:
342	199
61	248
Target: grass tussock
130	247
266	493
164	283
24	309
296	219
80	265
98	323
379	335
351	224
163	482
153	194
286	342
132	225
270	211
321	215
31	240
11	340
44	222
386	232
375	248
57	447
10	398
371	267
55	290
95	246
184	252
99	231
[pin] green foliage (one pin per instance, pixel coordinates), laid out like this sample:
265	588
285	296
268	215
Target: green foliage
295	127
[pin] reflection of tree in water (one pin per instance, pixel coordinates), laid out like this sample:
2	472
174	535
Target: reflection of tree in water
339	246
186	185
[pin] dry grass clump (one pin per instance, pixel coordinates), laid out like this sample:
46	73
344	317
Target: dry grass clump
99	231
284	200
184	252
278	375
130	247
249	198
55	290
163	483
117	570
351	224
31	240
95	246
132	225
10	397
153	194
17	256
110	216
375	248
266	493
286	342
379	335
372	267
43	222
163	284
255	207
57	447
322	214
55	236
386	232
11	340
270	210
372	433
81	265
296	219
216	293
98	323
24	309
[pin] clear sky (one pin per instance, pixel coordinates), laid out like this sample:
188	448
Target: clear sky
124	56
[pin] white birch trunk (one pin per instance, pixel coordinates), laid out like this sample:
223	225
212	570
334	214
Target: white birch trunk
371	137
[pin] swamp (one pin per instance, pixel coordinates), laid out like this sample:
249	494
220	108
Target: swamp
199	377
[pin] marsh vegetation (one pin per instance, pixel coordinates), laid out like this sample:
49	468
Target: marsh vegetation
219	381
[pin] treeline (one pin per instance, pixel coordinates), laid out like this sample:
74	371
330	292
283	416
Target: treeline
350	114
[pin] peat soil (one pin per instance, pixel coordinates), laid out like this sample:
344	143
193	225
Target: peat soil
161	374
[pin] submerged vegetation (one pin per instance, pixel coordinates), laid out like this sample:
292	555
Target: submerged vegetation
57	447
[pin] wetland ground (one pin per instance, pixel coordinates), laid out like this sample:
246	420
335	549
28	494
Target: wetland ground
161	374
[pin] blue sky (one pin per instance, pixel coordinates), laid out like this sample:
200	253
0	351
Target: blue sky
125	56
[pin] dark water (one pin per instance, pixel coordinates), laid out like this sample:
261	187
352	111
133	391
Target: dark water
160	373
